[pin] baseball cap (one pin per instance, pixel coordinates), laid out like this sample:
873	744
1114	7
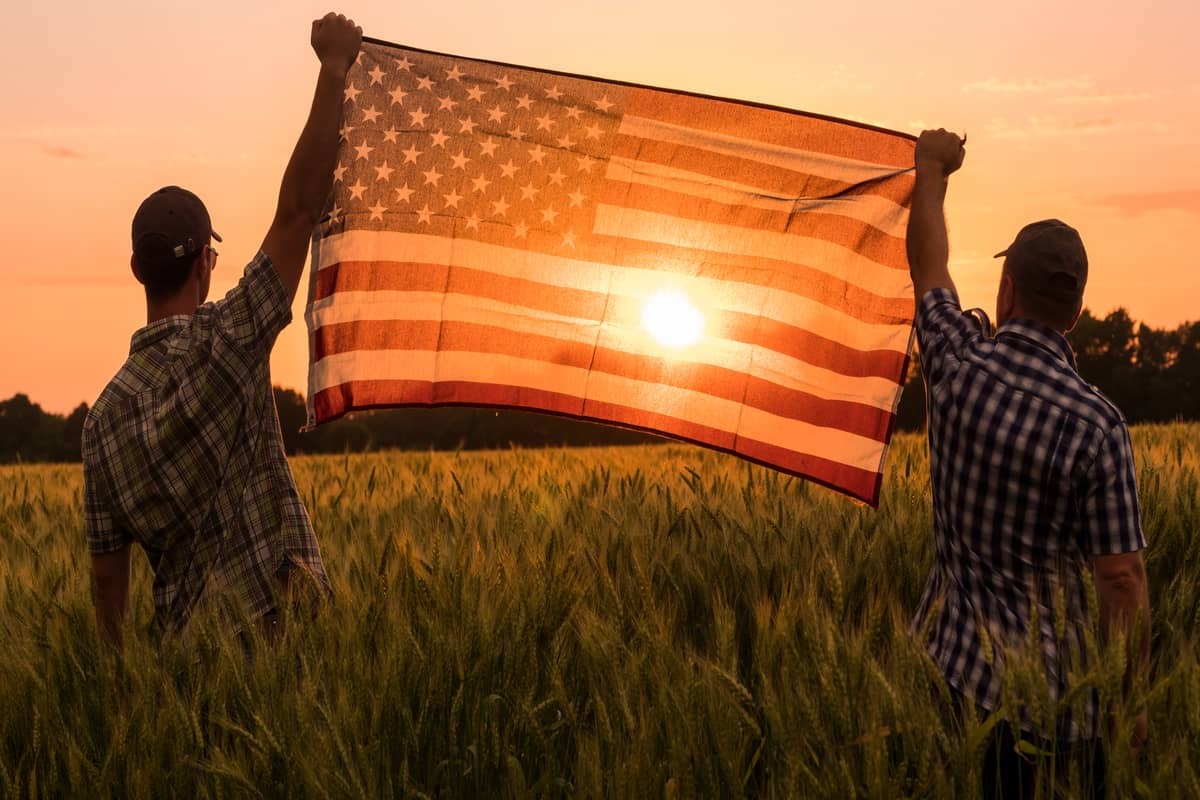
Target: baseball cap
1047	257
170	224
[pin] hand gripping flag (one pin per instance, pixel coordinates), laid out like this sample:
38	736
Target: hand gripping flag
720	272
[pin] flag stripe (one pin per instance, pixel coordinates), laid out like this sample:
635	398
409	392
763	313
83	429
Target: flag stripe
862	203
713	412
653	227
728	384
588	308
786	173
813	134
855	236
708	292
782	369
336	400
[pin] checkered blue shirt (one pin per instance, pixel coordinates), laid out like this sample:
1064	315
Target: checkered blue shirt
1033	474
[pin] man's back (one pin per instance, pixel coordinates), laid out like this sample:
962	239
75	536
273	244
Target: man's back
183	454
1032	476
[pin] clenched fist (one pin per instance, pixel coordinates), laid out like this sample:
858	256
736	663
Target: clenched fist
336	40
940	150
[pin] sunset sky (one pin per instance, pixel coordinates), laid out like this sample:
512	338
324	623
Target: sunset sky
1083	111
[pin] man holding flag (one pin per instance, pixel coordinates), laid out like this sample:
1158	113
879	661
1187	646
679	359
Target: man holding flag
1033	488
182	451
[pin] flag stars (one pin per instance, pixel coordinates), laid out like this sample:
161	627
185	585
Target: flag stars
481	183
432	176
454	74
549	215
356	190
537	154
565	142
520	230
473	222
344	132
508	170
446	103
403	64
398	95
593	131
424	84
556	177
525	102
460	161
553	93
363	150
587	163
604	104
496	113
384	172
377	211
475	93
352	92
425	215
376	75
500	207
573	112
545	122
467	125
453	198
390	135
418	118
569	239
517	133
439	138
528	191
411	154
504	83
338	172
370	114
577	198
403	193
488	148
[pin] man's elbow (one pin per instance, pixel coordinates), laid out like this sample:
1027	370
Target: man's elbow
1121	575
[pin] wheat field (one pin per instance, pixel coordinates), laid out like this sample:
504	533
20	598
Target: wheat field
637	622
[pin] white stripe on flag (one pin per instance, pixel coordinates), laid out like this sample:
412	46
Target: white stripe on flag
788	372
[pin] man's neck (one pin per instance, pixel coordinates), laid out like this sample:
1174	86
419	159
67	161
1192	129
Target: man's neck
180	304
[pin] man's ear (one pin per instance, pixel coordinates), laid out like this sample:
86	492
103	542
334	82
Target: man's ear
133	266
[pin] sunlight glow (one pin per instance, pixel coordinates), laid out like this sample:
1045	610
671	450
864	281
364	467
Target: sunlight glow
672	319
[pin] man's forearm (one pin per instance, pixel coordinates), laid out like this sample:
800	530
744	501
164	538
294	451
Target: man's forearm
927	241
1125	608
309	173
112	599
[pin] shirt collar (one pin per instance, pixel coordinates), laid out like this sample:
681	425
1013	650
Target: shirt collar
157	331
1042	337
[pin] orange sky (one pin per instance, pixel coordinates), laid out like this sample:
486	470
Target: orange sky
1087	113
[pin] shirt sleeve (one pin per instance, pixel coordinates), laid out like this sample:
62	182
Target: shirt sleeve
943	333
1112	521
253	313
104	535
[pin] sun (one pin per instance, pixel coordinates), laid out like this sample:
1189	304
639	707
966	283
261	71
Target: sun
672	319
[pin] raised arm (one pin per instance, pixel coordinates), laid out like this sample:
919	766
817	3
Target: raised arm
309	173
939	153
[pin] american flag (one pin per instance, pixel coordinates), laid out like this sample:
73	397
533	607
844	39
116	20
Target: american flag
724	273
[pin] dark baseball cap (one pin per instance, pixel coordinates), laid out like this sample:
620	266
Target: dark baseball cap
170	224
1047	257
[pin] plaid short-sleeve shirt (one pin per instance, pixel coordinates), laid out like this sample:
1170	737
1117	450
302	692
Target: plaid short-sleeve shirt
1032	474
183	454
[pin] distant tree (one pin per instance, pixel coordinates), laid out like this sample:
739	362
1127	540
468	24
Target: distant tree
72	436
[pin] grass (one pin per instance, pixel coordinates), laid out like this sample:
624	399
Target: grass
640	622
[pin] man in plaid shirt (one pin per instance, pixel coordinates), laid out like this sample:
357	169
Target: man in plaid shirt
1033	485
182	450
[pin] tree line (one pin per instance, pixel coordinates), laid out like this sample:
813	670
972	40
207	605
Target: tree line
1152	375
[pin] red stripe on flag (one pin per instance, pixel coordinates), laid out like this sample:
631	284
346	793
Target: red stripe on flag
335	401
774	126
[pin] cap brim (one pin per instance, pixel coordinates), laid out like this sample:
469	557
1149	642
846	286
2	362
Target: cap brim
216	236
1001	253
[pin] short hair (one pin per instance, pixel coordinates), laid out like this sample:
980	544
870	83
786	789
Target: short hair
1058	313
164	278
